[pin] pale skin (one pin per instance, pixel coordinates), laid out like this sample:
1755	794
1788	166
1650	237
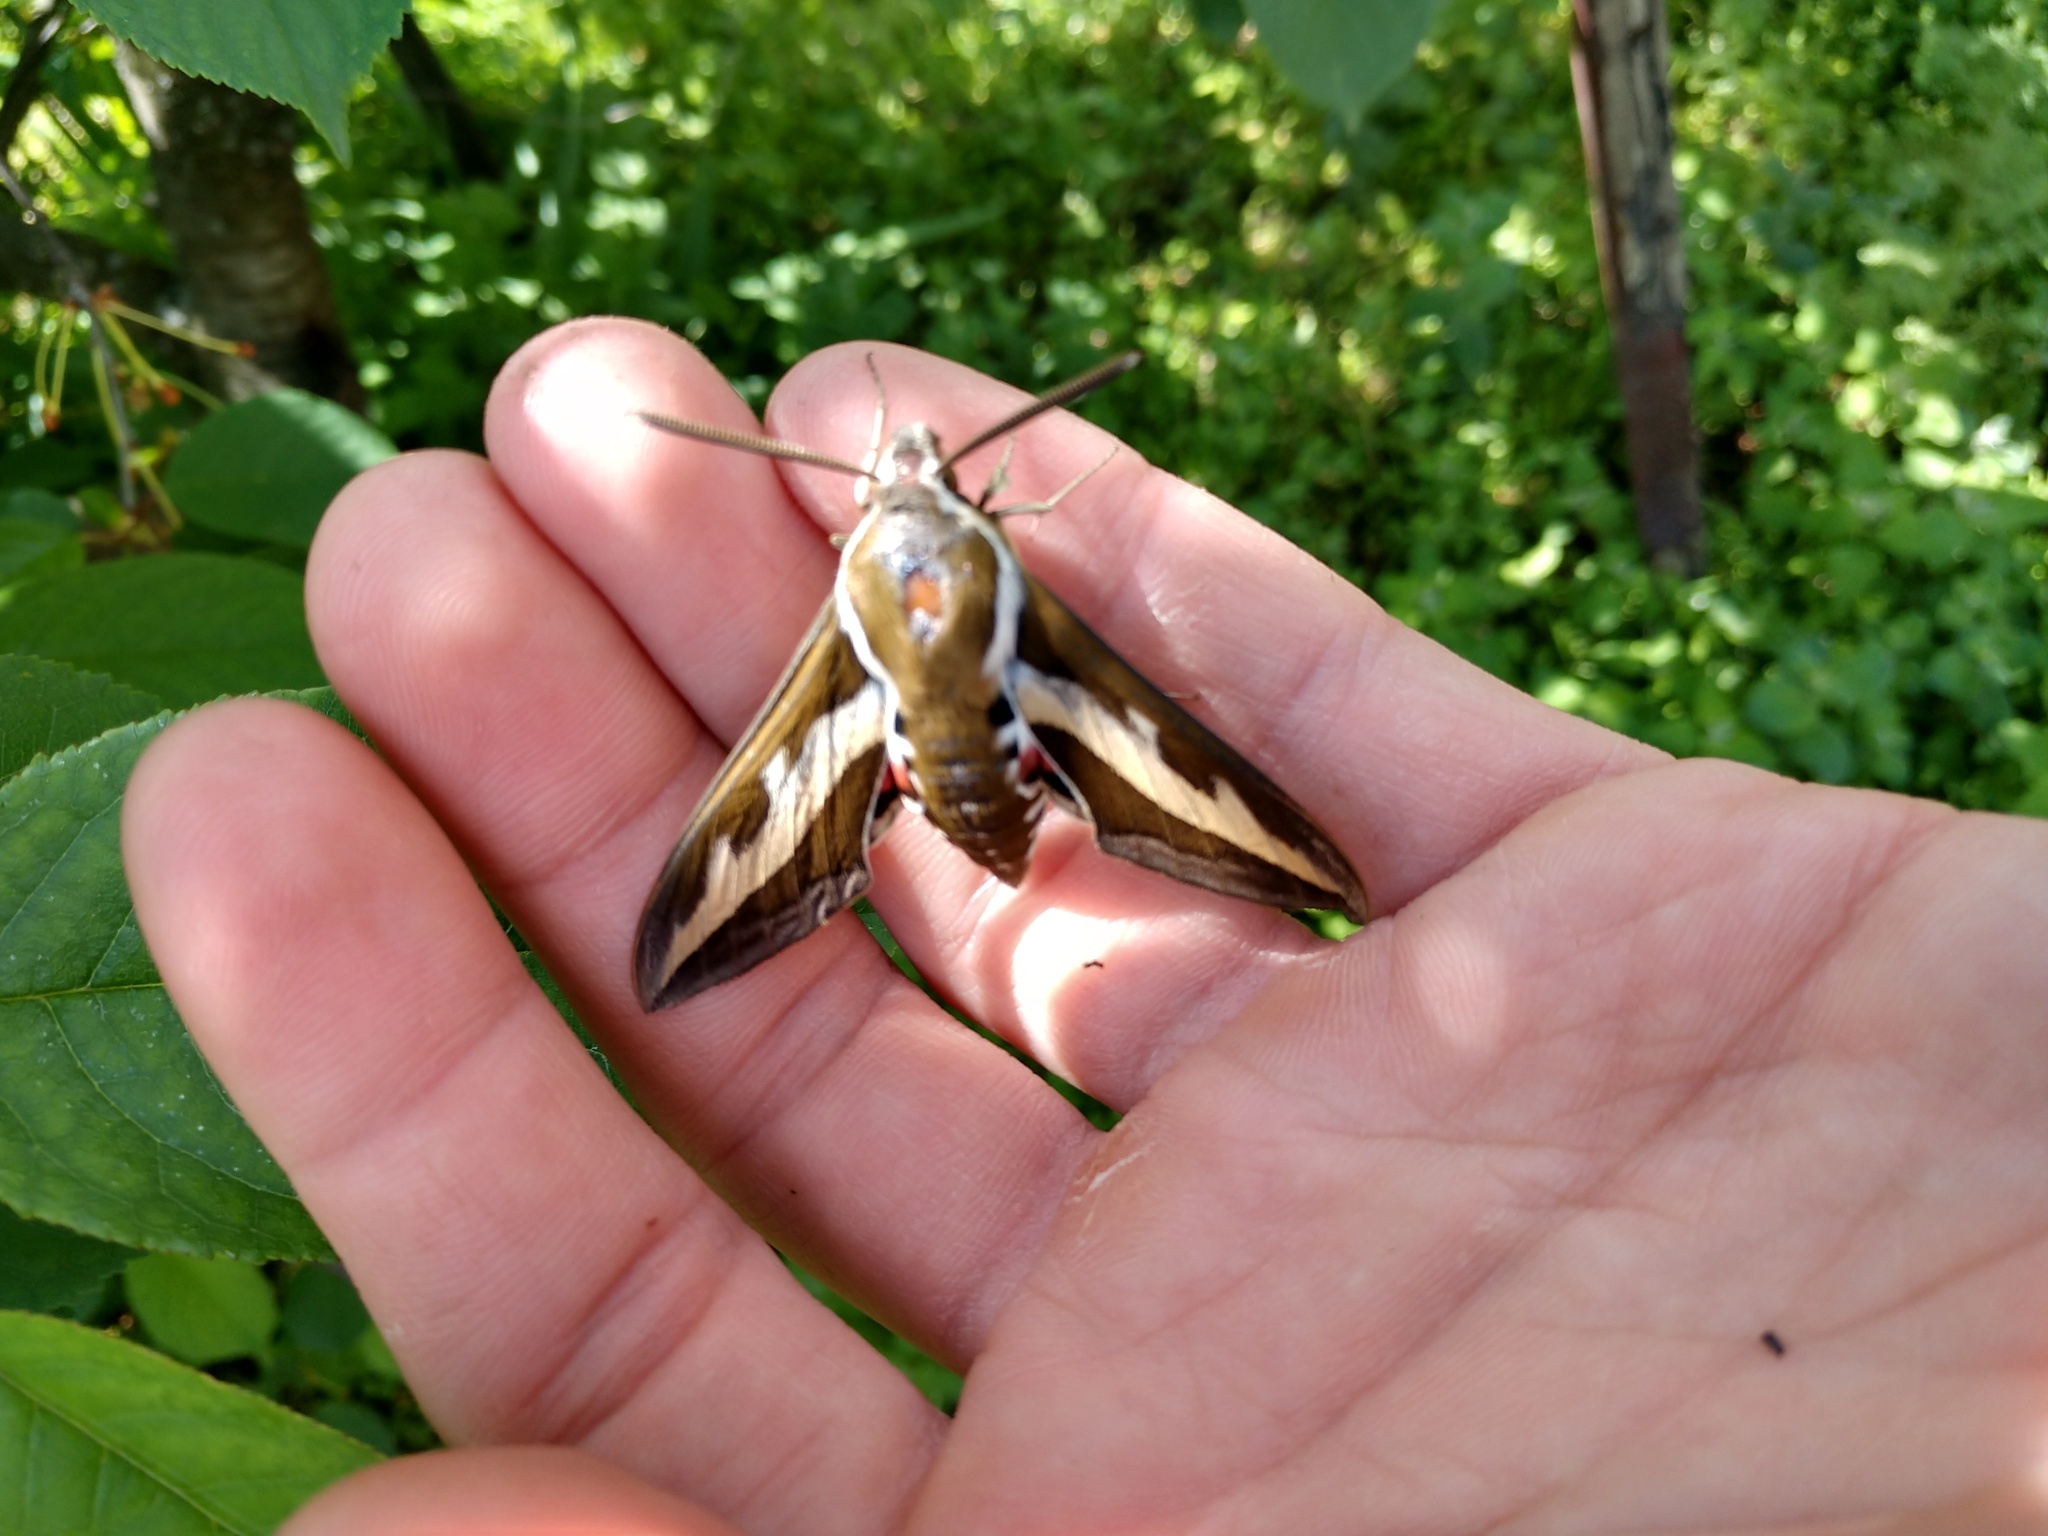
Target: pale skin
1474	1222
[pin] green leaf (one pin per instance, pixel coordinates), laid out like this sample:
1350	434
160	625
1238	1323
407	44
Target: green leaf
46	706
322	1310
29	546
202	1311
1342	53
33	504
268	467
110	1122
304	52
1221	19
185	627
100	1437
43	1267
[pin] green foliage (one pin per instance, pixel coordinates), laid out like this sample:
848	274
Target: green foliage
53	1269
1341	54
184	627
98	1436
267	468
305	52
113	1125
46	706
37	534
1386	343
201	1311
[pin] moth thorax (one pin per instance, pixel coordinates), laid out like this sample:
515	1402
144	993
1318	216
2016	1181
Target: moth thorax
912	456
923	586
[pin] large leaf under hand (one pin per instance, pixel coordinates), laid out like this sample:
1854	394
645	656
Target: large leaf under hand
1342	53
305	52
99	1437
268	467
184	627
110	1122
46	706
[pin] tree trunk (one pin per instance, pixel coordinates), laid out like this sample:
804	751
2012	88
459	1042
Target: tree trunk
1620	63
442	103
227	199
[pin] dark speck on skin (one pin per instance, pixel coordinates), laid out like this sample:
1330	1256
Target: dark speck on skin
1091	965
1773	1343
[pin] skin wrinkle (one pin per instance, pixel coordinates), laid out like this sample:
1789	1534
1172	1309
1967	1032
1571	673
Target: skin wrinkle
958	1324
576	846
570	841
1642	1421
622	1375
1227	992
1908	837
768	1116
1961	1270
786	1470
415	1094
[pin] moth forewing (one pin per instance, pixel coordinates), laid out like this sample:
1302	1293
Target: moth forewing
780	840
941	675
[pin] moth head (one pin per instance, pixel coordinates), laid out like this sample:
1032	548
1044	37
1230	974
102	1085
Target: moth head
911	457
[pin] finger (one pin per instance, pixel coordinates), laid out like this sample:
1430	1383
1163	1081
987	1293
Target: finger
511	1491
1413	759
543	1266
906	1161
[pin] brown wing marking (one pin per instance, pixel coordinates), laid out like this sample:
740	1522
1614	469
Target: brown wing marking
780	840
1162	790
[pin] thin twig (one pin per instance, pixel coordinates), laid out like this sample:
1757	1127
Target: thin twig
25	84
80	293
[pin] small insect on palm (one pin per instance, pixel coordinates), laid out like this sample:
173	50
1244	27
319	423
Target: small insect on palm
942	675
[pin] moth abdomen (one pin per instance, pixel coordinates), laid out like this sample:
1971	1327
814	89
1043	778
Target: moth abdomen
971	791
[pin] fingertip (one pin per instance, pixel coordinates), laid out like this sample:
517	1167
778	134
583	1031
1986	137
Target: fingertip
564	422
188	793
499	1491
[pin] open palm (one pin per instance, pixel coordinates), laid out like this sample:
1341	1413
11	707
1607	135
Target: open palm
1672	1153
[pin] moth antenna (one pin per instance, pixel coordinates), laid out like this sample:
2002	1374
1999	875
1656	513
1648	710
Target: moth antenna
1039	508
747	442
1051	400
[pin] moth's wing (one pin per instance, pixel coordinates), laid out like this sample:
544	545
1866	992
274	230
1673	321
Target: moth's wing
780	840
1162	790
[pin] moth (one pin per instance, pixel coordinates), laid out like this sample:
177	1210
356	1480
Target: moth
941	675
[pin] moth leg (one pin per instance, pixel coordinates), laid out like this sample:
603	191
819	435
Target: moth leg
1038	508
1001	478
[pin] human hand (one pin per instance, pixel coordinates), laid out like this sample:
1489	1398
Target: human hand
1477	1220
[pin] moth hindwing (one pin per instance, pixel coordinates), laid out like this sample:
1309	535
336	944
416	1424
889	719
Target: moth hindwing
941	675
